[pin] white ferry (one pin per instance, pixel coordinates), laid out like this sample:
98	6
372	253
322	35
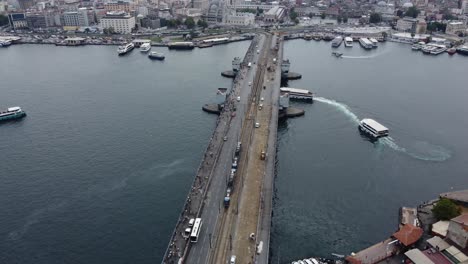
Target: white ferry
336	42
365	43
374	42
126	48
373	128
418	46
439	49
348	42
299	94
145	47
463	50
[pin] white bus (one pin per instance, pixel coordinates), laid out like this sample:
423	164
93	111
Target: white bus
196	230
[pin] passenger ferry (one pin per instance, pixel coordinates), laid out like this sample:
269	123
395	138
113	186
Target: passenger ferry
181	45
374	42
373	128
336	42
156	55
12	113
126	48
348	42
439	49
299	94
365	43
5	43
145	47
418	46
463	50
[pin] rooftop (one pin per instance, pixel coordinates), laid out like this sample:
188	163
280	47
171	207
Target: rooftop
408	234
438	243
440	228
461	219
416	256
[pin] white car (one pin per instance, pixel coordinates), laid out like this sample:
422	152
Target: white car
238	98
250	83
257	125
261	99
233	260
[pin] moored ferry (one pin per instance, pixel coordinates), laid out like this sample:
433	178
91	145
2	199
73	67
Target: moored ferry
5	43
374	42
418	46
299	94
463	50
156	55
126	48
336	42
181	45
373	128
145	47
12	113
348	42
365	43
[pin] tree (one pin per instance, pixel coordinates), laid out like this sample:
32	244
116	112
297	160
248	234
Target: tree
412	12
202	23
399	13
292	14
375	18
445	209
189	22
339	19
310	15
111	30
323	16
105	31
345	19
3	20
296	21
178	22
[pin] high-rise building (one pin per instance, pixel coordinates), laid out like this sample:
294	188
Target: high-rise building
121	22
76	18
25	4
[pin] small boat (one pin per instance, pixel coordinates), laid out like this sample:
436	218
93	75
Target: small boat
12	113
336	42
418	46
5	43
451	51
126	48
337	54
145	47
463	50
308	37
156	55
205	45
348	42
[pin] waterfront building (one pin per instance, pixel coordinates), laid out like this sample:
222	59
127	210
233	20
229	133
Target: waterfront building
458	230
455	28
408	235
275	14
17	20
239	19
215	13
40	20
75	18
120	21
407	24
421	27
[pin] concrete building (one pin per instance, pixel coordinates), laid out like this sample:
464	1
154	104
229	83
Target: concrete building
275	14
201	4
17	20
455	28
458	230
118	6
120	21
407	24
75	19
421	27
40	20
239	19
215	13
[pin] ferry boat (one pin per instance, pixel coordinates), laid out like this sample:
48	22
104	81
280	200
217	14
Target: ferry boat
336	42
348	42
428	49
205	45
299	94
365	43
12	113
438	50
374	42
463	50
373	128
126	48
308	37
181	45
156	55
145	47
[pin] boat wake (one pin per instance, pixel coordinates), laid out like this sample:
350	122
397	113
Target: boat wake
419	150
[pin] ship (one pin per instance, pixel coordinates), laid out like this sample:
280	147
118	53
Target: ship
336	42
181	45
348	42
12	113
373	128
5	43
156	55
463	50
126	48
145	47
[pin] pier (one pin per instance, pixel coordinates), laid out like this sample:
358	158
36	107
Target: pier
250	116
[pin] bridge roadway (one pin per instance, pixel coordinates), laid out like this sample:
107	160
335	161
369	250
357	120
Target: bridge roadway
209	186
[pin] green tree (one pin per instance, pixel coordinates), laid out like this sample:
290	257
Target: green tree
323	16
412	12
345	19
111	30
189	22
375	18
105	31
202	23
296	21
3	20
339	19
248	10
399	13
310	15
292	14
445	209
178	22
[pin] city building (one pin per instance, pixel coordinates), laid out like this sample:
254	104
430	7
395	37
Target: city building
239	19
25	4
455	28
76	18
215	13
40	20
120	21
407	24
458	230
275	14
17	20
421	27
118	6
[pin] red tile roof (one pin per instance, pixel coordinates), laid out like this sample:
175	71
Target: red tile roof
408	234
